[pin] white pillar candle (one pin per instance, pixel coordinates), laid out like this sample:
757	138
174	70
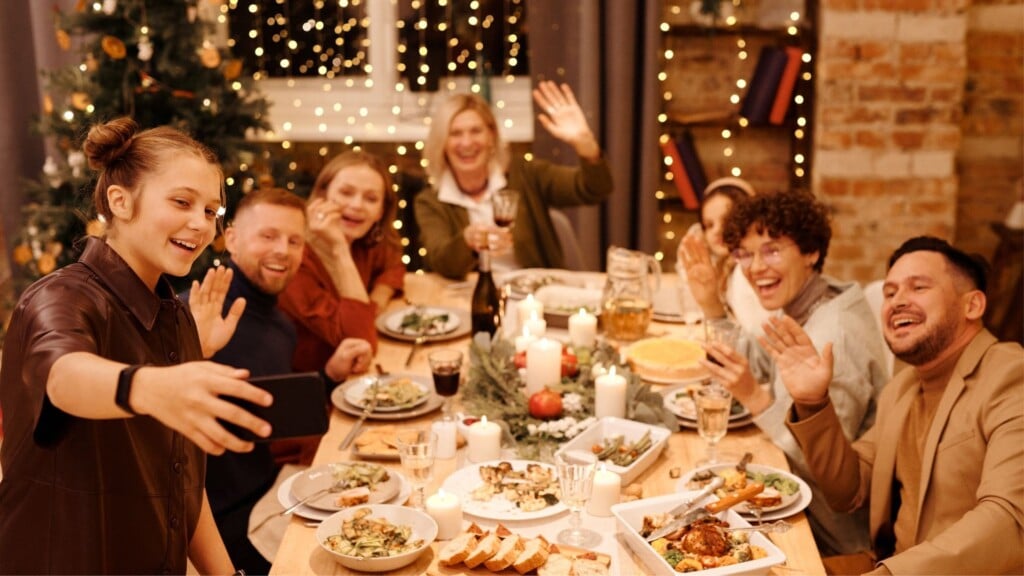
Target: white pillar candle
583	329
524	340
446	441
527	307
605	493
446	510
543	365
609	395
484	441
536	325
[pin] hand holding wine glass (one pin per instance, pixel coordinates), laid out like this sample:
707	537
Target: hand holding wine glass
417	448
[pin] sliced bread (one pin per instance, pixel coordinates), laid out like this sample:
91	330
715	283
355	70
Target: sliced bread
586	567
533	556
506	554
457	550
556	565
485	548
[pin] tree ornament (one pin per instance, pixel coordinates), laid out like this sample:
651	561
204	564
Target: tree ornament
233	69
109	6
191	12
52	172
63	39
46	263
114	47
91	63
208	55
47	104
80	100
76	159
80	6
145	48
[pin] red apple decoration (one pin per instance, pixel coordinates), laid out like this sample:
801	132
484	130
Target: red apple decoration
519	360
546	404
570	364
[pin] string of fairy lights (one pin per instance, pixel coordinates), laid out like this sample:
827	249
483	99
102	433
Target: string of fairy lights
438	40
729	134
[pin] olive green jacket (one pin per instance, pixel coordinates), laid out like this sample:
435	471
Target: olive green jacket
541	185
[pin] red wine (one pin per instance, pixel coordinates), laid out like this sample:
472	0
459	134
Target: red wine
484	308
446	381
503	222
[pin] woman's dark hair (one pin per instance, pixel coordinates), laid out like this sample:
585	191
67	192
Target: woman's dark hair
734	194
123	156
973	267
794	215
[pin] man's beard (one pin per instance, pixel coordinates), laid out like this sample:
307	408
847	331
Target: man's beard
929	347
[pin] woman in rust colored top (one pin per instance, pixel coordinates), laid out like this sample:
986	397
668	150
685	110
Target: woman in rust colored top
352	265
108	408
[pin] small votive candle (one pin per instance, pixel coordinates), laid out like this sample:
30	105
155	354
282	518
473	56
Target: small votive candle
536	325
610	395
605	493
524	340
484	441
446	510
583	329
527	307
446	438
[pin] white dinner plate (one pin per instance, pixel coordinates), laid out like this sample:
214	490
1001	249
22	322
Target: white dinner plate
287	499
463	481
457	325
356	393
679	402
790	505
393	322
319	478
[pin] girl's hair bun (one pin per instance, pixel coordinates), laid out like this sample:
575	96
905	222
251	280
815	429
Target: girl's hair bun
108	142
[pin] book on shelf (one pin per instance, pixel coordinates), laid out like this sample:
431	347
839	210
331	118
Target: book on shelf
687	171
784	93
764	85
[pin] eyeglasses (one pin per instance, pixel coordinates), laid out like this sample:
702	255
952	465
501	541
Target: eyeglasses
771	254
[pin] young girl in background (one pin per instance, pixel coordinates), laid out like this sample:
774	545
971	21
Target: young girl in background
108	406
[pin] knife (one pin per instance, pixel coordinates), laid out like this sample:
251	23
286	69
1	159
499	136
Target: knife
685	508
748	492
362	418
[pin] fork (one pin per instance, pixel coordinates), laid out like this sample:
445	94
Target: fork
292	508
420	340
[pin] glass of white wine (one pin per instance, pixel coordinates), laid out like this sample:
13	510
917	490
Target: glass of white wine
714	403
575	481
417	448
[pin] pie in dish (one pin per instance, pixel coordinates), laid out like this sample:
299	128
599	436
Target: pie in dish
667	358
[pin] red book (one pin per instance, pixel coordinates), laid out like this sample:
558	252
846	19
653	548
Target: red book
784	95
679	176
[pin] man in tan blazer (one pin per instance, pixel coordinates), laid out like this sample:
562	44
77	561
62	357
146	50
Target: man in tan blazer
942	469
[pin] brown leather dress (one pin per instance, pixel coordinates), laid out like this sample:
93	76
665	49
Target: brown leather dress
94	496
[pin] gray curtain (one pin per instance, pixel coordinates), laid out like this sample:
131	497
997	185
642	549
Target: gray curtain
607	50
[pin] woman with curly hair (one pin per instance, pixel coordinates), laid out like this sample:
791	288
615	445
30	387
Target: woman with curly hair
780	242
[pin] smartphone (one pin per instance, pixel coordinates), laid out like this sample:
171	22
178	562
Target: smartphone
299	407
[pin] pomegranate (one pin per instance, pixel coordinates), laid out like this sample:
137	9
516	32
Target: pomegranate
546	404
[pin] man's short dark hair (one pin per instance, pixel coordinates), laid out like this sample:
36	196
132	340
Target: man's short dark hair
973	266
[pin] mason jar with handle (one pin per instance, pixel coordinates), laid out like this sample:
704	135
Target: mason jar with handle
628	297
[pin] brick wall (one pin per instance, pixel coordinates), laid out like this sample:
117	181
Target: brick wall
920	123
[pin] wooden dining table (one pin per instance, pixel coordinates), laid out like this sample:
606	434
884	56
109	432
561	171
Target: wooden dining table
300	553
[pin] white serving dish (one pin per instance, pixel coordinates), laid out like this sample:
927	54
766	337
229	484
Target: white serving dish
610	426
423	526
630	518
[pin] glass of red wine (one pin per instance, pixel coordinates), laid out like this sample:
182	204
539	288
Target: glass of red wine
505	204
446	366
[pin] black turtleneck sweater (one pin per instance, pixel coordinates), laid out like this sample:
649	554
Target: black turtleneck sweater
263	343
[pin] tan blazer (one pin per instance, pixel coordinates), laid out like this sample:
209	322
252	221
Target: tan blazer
970	518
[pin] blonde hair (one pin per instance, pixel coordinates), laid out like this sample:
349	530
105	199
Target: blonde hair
433	148
381	229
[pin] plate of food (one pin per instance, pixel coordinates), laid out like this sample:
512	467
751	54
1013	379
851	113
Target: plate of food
394	392
433	323
529	281
784	494
667	360
502	550
340	485
432	403
624	446
679	401
507	490
287	499
379	444
377	538
703	547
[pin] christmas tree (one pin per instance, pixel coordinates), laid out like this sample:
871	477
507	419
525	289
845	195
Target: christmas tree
156	61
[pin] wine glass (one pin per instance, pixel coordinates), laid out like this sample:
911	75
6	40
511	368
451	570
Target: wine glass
722	330
446	366
713	406
416	448
575	481
505	203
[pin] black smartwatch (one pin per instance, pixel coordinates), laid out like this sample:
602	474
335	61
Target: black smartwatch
124	387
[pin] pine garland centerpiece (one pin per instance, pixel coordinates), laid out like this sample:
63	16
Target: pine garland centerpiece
495	388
